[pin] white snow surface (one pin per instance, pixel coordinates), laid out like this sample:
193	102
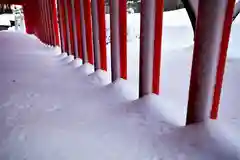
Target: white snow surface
54	108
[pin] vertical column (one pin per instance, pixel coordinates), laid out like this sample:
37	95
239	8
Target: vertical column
38	22
69	12
52	4
69	48
157	46
63	19
96	41
99	34
222	58
74	28
115	52
60	21
83	31
118	25
28	18
78	27
51	23
209	50
123	37
41	22
150	46
88	26
48	21
102	34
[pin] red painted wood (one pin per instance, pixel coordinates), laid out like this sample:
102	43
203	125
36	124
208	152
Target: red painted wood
157	45
88	26
49	21
123	37
28	19
55	23
45	23
48	27
78	26
62	15
222	58
43	33
102	34
70	25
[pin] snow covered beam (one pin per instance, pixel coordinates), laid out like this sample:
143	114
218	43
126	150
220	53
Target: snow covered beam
150	46
118	26
99	34
210	49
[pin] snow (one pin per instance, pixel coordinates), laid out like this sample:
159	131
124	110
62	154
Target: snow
4	20
52	107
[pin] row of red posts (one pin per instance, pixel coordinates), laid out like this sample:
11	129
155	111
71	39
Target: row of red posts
78	26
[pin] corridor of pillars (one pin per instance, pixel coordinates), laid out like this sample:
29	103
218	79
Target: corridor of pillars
78	27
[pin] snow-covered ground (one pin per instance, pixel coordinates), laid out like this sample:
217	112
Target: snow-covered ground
52	108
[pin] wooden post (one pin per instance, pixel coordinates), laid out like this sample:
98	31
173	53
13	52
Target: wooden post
99	34
222	58
88	31
150	46
61	26
68	36
78	27
74	29
118	26
208	57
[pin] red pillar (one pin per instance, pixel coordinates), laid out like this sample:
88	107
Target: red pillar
123	37
211	39
118	26
150	46
78	26
46	22
50	21
60	26
70	26
99	34
28	17
43	19
102	34
88	26
54	21
157	46
62	15
222	58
